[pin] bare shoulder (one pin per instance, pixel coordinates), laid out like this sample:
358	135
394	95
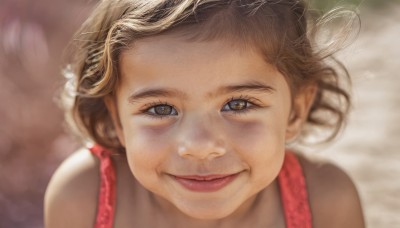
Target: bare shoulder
71	195
333	196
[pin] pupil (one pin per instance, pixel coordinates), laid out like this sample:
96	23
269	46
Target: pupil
163	110
237	105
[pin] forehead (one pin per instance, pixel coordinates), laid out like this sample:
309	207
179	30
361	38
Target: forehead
173	49
191	66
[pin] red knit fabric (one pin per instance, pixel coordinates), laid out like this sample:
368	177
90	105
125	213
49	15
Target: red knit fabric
294	194
291	183
106	203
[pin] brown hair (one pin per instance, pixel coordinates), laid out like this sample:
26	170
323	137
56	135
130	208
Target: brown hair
280	29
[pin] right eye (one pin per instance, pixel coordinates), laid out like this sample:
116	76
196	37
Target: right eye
162	110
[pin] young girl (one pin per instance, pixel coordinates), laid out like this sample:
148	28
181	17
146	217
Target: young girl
188	107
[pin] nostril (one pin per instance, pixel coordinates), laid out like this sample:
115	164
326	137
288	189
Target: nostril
201	152
215	155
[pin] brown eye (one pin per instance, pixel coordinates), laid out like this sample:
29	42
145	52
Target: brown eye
162	110
236	105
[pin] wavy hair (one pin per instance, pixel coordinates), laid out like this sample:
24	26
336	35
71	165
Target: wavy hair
282	30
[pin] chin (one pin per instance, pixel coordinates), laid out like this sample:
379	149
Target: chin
207	213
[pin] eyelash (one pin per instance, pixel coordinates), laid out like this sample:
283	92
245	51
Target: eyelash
149	106
252	102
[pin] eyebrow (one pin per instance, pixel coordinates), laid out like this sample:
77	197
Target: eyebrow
154	92
252	86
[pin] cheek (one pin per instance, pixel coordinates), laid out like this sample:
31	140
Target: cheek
261	145
259	140
147	150
264	132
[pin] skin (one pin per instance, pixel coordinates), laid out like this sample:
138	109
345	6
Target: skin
202	133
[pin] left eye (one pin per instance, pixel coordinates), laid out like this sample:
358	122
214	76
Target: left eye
236	105
162	110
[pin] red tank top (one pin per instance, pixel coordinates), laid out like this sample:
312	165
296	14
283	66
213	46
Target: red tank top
291	181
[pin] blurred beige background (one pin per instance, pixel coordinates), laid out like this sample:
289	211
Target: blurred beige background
369	149
33	141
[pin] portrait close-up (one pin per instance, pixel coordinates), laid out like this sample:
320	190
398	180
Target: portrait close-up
199	113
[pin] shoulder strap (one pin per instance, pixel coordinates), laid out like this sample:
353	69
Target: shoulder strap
294	193
106	200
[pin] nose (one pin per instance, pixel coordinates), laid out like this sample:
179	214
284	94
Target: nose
200	139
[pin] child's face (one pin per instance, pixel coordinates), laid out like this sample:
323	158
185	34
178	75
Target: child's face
198	109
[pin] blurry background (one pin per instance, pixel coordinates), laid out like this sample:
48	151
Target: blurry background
33	142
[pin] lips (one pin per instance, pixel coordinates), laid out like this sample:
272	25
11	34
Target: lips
209	183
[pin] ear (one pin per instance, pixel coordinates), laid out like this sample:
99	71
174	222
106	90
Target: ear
302	102
112	108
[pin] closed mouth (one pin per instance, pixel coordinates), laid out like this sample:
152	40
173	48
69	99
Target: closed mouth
207	183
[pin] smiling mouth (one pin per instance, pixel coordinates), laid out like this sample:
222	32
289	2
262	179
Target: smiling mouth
209	183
